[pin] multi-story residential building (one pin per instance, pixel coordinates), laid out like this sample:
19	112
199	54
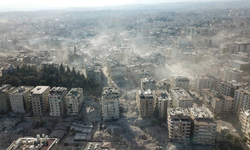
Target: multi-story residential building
116	70
179	125
216	102
94	72
228	87
29	143
203	125
74	101
230	74
4	97
179	81
163	102
145	102
207	81
57	101
244	118
20	99
110	103
40	100
241	100
148	83
181	98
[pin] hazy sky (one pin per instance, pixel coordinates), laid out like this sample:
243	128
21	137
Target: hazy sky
87	3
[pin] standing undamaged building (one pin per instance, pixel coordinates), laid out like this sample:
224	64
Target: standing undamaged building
20	99
4	97
39	99
74	101
110	103
57	101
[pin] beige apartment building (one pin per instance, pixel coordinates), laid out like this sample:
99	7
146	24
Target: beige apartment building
180	81
145	102
228	87
163	102
74	101
181	98
207	81
110	103
244	117
20	99
4	97
179	125
40	100
217	103
204	126
57	101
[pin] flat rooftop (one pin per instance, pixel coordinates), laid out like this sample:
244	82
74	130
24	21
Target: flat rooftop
39	89
22	90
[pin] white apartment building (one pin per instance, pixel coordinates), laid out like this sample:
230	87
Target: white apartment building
20	99
74	101
57	101
40	100
204	126
230	74
110	103
163	102
207	81
4	97
181	98
179	125
241	100
180	81
116	70
228	87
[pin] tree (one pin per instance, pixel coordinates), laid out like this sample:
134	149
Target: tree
156	113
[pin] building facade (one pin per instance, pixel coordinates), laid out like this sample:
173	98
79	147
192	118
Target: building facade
163	102
74	101
110	103
4	97
57	101
180	81
145	102
20	99
40	100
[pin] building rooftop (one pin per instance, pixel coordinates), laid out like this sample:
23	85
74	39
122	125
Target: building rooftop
181	93
41	143
75	92
178	112
22	90
201	112
39	89
58	90
5	88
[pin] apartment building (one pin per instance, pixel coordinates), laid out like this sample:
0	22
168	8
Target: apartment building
116	70
4	97
139	74
179	125
244	118
74	101
57	101
228	87
241	100
207	81
181	98
145	102
164	85
40	100
148	83
163	102
110	103
203	125
94	72
20	99
180	81
230	74
216	102
30	143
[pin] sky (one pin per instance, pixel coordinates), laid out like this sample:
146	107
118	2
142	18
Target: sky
85	3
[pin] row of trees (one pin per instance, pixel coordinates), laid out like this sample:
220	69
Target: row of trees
49	75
